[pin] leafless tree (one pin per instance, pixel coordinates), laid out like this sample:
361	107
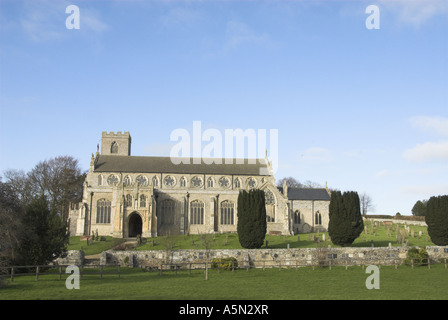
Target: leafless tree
366	203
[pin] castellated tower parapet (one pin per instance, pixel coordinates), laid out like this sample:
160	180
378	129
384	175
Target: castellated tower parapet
118	144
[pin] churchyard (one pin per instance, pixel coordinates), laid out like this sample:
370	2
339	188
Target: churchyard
274	283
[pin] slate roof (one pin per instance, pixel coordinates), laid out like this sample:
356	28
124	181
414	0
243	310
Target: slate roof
141	164
307	194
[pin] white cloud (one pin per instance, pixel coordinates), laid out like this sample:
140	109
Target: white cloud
45	20
438	125
415	12
426	191
238	33
316	155
429	151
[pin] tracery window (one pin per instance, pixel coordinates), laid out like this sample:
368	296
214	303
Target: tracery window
103	210
142	181
224	182
251	182
127	181
270	206
237	183
113	180
210	182
196	212
142	200
128	201
167	211
155	182
169	181
183	182
196	182
227	212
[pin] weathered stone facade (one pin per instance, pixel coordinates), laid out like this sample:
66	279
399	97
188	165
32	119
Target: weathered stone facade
259	258
128	195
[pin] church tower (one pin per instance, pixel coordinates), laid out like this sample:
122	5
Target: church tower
118	144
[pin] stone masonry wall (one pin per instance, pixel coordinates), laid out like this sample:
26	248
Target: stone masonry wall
260	258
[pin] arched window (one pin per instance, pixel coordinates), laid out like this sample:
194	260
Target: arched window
183	182
318	218
227	212
155	182
210	182
167	212
297	217
142	200
270	206
128	201
196	212
103	211
114	147
127	181
100	180
237	183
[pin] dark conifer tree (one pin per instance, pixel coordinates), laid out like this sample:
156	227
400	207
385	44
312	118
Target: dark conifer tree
251	225
345	223
437	219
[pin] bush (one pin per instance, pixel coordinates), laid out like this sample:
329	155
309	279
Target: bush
419	256
225	263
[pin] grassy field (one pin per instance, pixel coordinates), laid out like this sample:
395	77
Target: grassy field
379	234
403	283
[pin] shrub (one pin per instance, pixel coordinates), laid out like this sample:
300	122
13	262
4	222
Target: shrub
225	263
419	256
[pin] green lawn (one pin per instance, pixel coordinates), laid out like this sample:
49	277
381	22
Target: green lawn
379	234
272	284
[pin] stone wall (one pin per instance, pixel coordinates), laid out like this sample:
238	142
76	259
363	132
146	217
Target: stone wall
260	258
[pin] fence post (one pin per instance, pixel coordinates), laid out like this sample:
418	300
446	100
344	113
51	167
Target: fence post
445	263
37	273
60	272
118	271
101	272
429	263
12	273
412	263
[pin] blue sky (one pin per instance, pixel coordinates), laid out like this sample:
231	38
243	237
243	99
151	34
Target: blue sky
364	110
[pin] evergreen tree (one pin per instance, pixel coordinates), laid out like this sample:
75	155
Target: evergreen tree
419	208
48	237
437	219
251	225
345	223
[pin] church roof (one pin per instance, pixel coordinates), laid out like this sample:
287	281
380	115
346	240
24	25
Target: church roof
141	164
307	194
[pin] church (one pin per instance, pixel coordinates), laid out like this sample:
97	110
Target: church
125	196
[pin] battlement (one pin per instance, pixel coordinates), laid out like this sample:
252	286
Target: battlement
116	143
117	134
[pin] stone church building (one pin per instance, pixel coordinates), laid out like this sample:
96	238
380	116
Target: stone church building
127	195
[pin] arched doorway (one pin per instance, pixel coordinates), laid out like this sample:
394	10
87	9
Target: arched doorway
135	225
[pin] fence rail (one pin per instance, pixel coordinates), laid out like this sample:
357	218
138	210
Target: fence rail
39	270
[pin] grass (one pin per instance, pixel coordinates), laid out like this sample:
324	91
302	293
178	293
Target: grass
403	283
380	234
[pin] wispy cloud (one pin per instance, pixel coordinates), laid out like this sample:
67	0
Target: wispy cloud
431	150
239	33
437	125
415	12
44	20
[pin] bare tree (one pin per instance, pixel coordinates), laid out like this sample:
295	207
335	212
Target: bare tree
366	203
60	179
290	182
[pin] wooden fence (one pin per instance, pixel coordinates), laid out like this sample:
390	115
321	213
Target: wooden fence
40	270
14	271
